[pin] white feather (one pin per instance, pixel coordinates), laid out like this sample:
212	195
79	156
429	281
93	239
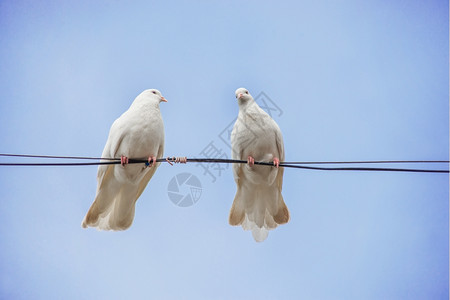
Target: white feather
137	133
258	205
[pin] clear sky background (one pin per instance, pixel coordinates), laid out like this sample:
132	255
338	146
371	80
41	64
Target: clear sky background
354	80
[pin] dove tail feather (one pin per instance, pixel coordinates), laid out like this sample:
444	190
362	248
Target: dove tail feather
101	207
282	216
122	215
258	208
237	212
260	234
112	209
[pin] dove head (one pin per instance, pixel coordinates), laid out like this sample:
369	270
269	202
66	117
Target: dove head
155	94
243	95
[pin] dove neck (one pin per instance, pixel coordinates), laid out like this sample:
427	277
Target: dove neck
245	104
142	103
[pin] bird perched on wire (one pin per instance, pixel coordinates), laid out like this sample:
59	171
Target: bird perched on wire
137	133
258	205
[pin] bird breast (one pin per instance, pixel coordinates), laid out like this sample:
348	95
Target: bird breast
256	138
143	137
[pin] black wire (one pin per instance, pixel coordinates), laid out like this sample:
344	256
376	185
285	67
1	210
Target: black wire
291	165
368	169
298	165
57	164
234	161
57	157
367	162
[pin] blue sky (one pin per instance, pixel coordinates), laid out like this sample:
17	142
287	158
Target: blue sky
354	80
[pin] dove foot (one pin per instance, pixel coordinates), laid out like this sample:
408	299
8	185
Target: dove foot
123	160
250	161
276	162
151	161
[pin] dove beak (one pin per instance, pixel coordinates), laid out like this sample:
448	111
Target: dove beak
163	99
240	95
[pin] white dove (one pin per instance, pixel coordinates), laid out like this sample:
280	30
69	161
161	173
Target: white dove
138	133
258	205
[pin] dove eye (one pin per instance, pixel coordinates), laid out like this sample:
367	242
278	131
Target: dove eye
154	92
246	92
